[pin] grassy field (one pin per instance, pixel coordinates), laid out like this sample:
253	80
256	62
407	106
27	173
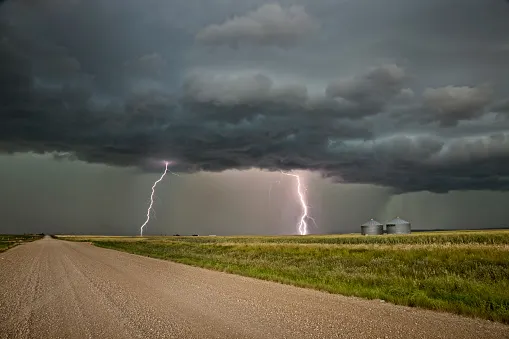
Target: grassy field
461	272
10	240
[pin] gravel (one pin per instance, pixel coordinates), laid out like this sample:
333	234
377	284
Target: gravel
57	289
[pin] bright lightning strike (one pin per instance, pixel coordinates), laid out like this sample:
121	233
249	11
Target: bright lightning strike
166	163
302	225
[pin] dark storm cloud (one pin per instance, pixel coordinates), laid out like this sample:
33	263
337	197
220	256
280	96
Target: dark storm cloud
413	162
248	95
150	65
501	107
452	104
369	93
120	83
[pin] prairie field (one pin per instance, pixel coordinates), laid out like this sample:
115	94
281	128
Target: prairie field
10	240
464	272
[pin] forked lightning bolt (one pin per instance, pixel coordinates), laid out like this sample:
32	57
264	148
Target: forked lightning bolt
166	163
302	225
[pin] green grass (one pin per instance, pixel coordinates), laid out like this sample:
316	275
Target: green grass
461	272
10	240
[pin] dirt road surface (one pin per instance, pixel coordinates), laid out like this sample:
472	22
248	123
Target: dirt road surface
56	289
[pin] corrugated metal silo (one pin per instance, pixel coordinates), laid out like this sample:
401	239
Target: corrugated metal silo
398	226
372	227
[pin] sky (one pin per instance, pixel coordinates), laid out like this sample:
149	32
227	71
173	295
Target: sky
393	108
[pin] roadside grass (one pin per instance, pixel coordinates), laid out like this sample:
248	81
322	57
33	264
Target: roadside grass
461	272
10	240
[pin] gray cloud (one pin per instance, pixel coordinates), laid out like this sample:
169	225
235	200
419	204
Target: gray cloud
253	93
463	151
412	162
142	90
370	92
270	24
148	65
501	106
451	104
243	89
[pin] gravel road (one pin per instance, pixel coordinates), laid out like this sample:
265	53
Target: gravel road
57	289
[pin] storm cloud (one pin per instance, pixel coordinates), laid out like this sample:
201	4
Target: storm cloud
270	24
452	104
126	84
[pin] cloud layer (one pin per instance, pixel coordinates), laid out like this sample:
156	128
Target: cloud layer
270	24
452	104
122	84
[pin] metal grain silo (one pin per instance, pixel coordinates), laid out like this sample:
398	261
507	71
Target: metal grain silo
372	227
398	226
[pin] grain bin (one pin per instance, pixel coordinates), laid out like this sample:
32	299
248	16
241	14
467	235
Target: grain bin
372	227
398	226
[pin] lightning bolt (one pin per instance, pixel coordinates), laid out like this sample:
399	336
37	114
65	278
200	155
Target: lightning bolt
302	225
166	163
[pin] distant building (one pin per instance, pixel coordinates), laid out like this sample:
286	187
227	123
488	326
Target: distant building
398	226
372	227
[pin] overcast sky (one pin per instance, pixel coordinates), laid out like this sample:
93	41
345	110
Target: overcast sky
385	108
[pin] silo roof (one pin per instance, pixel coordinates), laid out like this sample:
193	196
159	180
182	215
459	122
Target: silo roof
398	221
372	222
